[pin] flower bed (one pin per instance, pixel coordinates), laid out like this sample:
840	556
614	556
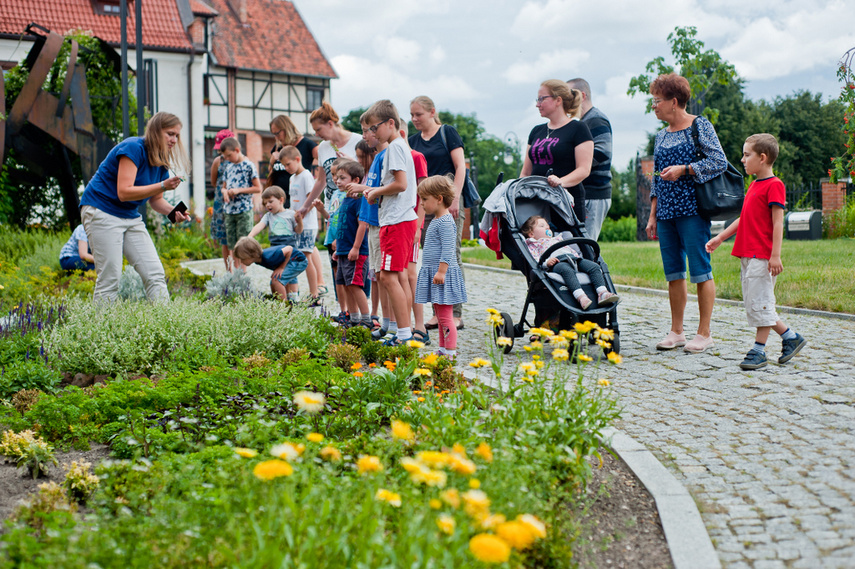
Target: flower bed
307	448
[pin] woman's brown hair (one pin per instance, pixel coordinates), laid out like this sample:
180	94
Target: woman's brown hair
282	122
427	104
571	99
672	86
158	153
324	113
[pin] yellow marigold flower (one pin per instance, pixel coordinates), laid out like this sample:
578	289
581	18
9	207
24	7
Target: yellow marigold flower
461	465
415	344
560	354
421	399
517	534
558	339
451	497
474	483
390	365
417	392
537	527
524	367
540	332
433	458
496	320
270	469
476	502
435	504
492	521
504	341
585	358
533	346
446	524
538	364
485	452
435	478
489	548
603	344
309	401
330	454
569	334
603	382
412	465
372	364
402	430
430	359
615	358
479	362
355	366
391	498
287	451
458	448
493	311
532	373
358	374
314	437
245	452
367	463
421	371
605	334
584	328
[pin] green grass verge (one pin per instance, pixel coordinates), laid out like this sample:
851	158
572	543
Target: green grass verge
817	274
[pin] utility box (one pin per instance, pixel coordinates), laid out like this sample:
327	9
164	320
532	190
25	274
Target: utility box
803	225
717	227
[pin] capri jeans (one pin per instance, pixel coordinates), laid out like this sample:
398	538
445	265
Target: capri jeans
681	238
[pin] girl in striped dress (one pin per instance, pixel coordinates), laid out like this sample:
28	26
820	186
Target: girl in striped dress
440	279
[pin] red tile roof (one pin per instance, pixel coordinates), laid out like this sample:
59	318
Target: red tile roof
162	26
202	9
275	38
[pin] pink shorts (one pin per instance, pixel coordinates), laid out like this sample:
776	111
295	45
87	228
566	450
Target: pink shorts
396	245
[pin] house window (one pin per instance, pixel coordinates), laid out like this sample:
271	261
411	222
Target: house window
314	98
150	84
106	7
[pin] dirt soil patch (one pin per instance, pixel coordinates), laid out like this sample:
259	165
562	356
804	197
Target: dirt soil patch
620	523
17	484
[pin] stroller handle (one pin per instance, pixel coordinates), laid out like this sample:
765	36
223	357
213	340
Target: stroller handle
577	240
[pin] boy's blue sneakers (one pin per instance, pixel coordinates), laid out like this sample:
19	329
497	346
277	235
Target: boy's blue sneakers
754	360
789	348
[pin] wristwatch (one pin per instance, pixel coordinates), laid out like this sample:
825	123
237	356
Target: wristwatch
162	187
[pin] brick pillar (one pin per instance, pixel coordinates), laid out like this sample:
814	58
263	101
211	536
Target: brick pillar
466	224
643	183
833	196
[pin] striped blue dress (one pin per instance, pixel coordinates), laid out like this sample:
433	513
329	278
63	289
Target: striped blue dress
440	243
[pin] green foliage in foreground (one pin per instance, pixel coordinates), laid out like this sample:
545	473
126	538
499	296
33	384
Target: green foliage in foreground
817	274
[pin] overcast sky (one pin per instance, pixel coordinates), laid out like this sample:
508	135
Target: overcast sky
489	57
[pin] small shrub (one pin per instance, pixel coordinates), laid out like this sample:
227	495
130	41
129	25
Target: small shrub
841	223
79	482
24	400
50	498
343	355
27	450
232	285
32	374
294	356
623	229
131	285
358	336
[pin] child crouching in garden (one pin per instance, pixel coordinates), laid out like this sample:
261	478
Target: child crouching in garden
286	263
440	280
564	262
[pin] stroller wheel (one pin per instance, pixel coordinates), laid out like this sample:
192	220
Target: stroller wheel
506	330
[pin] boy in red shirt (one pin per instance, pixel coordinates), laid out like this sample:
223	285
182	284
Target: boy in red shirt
759	232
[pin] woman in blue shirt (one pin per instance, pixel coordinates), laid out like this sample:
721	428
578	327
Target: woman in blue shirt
135	171
674	218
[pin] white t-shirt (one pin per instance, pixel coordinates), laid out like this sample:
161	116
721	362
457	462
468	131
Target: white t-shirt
327	155
400	207
301	187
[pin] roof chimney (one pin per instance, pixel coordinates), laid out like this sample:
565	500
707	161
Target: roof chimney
242	11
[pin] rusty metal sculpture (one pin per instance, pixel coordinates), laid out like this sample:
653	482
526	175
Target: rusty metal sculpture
39	119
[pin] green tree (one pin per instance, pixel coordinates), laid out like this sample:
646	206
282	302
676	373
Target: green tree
623	192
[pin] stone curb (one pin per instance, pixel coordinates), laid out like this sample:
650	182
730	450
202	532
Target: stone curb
664	293
685	532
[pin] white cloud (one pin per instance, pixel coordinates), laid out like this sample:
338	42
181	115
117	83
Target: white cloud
398	51
553	64
437	55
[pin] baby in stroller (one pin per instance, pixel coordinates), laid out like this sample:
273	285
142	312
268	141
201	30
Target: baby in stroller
564	262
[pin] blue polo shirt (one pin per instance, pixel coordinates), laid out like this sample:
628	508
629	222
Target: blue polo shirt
368	213
101	192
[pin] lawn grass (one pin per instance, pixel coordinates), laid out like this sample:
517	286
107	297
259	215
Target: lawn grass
817	274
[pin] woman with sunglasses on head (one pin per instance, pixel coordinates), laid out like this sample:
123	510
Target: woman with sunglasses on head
564	144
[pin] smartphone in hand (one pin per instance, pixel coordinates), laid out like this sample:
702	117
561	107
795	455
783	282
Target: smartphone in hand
182	207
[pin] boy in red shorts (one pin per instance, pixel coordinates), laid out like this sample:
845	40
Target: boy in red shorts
759	232
397	198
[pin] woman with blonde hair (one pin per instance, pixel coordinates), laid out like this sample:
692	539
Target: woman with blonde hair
443	150
563	145
287	134
134	172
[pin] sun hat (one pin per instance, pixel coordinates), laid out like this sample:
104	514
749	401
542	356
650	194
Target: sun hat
221	136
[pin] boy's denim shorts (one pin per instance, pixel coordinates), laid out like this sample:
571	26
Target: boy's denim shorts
293	270
681	238
306	240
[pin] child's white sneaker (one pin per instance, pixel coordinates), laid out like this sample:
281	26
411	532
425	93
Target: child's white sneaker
607	298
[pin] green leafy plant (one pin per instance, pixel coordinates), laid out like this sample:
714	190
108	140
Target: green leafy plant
50	500
80	483
28	451
623	229
844	165
236	284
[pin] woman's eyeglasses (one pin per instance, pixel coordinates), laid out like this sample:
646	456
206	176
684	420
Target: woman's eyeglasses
539	100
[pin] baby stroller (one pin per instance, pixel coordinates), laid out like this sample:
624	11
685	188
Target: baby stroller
510	204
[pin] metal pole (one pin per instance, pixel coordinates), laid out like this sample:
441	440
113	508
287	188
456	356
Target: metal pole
126	126
140	71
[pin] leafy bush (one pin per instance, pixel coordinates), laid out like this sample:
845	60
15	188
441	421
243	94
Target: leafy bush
131	285
236	284
841	223
28	451
79	481
127	337
623	229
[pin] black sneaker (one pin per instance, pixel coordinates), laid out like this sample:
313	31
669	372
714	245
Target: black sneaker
789	348
754	360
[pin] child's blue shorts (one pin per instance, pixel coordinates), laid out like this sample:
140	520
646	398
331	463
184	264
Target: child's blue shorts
293	270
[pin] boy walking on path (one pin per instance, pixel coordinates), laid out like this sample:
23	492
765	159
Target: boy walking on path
241	181
398	219
759	232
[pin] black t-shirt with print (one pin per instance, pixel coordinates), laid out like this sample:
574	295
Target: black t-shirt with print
280	177
438	158
556	150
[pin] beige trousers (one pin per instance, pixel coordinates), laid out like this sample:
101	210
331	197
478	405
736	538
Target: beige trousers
111	237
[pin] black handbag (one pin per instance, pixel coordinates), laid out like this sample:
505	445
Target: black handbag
471	198
720	198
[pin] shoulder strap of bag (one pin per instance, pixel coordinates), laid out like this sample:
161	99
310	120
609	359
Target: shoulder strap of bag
696	139
444	140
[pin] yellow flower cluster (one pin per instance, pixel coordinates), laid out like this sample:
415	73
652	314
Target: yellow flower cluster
330	454
366	464
288	451
309	401
314	437
402	431
389	497
245	452
504	341
479	362
270	469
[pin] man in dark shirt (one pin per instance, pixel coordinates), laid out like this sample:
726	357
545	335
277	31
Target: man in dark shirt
598	185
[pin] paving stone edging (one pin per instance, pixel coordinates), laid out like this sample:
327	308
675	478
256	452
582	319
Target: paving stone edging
685	532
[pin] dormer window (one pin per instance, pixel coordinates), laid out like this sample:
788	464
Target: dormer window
106	7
